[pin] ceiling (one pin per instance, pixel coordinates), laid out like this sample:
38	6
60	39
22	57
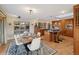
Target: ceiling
41	11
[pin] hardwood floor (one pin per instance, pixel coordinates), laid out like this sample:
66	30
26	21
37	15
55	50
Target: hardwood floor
62	48
3	49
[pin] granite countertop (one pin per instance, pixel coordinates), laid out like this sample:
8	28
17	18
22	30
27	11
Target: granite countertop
53	30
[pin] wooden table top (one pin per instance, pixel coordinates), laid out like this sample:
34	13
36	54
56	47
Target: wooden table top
27	40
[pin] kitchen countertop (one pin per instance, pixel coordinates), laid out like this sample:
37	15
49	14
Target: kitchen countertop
53	30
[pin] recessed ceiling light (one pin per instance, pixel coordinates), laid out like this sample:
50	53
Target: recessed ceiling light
28	8
12	15
35	10
63	11
57	19
22	23
65	15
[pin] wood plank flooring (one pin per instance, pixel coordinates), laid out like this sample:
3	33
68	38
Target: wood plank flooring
63	48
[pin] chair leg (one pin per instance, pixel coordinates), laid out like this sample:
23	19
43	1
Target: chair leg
27	52
33	51
37	52
16	49
30	52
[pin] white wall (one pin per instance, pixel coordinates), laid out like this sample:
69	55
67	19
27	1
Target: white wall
32	24
4	23
9	27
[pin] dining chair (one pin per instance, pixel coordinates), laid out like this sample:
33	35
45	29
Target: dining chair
17	41
38	34
25	33
21	35
35	45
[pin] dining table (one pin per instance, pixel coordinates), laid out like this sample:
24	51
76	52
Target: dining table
26	39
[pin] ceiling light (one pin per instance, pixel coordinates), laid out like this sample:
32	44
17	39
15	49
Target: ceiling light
22	23
63	12
12	15
65	15
28	8
57	19
34	10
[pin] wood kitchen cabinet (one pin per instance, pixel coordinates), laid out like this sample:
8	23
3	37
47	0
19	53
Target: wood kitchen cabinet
76	29
39	30
48	36
66	25
67	32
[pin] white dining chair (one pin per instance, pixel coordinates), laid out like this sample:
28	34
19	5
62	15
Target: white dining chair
21	35
17	39
35	45
25	33
39	34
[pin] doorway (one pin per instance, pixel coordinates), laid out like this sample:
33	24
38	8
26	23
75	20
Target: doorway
1	32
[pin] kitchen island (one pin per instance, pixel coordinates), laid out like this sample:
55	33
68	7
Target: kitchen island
50	35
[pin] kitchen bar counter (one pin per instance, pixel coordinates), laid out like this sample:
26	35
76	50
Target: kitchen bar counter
50	35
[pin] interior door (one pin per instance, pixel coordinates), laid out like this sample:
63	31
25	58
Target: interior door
1	31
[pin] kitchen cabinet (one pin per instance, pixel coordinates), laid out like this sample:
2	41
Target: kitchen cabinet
76	29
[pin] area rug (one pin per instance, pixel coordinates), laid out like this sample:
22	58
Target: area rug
20	50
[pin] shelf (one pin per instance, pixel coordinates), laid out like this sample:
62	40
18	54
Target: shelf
20	28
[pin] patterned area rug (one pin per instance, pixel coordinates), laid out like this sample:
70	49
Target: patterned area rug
20	50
